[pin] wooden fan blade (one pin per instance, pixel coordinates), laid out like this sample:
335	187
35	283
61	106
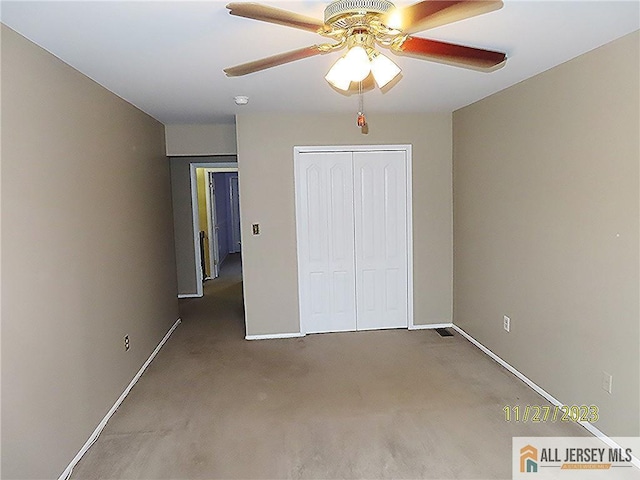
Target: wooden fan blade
273	61
450	53
265	13
434	13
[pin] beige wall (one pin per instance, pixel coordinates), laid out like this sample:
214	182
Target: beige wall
87	255
265	162
183	219
193	140
546	222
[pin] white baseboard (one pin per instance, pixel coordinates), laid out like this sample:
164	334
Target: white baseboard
295	335
540	391
430	326
521	376
96	433
273	336
189	295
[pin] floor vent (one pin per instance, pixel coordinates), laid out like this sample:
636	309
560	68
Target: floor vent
444	332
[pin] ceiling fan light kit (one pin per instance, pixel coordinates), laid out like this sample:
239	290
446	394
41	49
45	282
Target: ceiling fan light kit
354	67
360	61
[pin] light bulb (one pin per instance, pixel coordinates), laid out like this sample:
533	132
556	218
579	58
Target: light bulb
383	69
358	63
394	20
338	75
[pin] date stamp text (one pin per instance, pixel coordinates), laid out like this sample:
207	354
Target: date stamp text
550	413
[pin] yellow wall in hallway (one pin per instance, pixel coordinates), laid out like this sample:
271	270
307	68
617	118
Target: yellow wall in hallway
201	181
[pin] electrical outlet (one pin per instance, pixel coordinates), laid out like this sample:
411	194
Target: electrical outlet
126	343
507	323
255	228
607	380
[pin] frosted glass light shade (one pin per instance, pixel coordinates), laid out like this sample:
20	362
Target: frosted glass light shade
383	69
338	75
358	63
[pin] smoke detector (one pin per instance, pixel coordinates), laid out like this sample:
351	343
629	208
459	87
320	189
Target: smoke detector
241	100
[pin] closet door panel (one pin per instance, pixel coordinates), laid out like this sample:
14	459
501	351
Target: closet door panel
324	202
380	239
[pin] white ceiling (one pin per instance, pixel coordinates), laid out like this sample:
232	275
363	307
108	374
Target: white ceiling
166	57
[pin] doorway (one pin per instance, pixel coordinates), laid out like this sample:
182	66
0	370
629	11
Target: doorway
222	218
212	205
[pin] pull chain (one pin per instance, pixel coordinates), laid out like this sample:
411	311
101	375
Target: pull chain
362	121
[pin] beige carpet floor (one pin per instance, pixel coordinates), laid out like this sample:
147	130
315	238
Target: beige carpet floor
382	404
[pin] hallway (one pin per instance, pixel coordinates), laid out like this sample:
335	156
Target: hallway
379	404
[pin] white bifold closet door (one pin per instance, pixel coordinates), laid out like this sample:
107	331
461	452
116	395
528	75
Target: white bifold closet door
380	239
352	240
326	242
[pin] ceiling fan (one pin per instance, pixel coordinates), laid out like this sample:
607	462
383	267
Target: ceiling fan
363	25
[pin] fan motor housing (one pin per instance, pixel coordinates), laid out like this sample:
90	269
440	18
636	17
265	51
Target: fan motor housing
340	9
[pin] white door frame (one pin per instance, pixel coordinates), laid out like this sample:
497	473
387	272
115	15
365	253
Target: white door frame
212	224
217	167
409	197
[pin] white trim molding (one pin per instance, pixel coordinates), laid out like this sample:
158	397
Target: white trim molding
430	326
96	433
189	295
539	390
274	336
542	392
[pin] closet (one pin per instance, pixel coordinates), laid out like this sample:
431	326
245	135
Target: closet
353	238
